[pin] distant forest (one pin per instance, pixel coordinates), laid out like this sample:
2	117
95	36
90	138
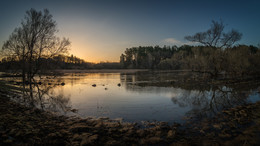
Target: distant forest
237	61
59	62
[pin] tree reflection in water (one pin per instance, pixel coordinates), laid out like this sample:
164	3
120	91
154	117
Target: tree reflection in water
44	96
209	103
204	98
171	95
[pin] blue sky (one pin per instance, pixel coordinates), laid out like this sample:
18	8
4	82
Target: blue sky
100	30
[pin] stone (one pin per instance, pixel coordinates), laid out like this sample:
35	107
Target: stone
79	128
153	140
170	134
217	126
91	140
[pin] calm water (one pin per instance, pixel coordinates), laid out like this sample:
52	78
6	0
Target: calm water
145	96
149	96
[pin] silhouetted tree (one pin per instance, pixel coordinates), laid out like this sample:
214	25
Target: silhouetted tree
216	37
34	40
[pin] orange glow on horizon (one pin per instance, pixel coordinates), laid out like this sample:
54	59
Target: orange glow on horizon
92	55
92	46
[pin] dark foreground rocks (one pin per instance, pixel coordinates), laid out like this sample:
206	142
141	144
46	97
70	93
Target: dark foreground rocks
235	126
21	125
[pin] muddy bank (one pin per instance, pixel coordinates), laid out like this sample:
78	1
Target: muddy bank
21	125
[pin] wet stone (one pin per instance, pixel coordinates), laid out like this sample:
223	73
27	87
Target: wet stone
80	128
217	126
224	135
89	140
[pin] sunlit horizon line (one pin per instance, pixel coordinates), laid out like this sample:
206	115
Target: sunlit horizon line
97	62
87	60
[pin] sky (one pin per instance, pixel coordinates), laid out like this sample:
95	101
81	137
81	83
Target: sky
101	30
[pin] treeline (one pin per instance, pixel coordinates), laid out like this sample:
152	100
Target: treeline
73	62
146	57
58	62
236	61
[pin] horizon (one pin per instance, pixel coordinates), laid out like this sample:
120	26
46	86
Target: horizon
100	31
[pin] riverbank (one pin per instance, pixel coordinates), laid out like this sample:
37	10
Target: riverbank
21	125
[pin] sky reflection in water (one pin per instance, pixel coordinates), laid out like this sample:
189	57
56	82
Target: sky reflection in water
137	100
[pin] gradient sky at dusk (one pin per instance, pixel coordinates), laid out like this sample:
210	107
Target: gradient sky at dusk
100	30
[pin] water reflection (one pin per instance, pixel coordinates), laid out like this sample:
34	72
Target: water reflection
209	103
204	100
43	95
162	96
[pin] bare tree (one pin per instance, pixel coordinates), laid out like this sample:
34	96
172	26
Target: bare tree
33	42
216	37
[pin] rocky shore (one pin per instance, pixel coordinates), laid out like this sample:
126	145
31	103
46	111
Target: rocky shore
21	125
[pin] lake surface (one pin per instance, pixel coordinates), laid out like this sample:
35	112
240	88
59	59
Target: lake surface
127	101
147	96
